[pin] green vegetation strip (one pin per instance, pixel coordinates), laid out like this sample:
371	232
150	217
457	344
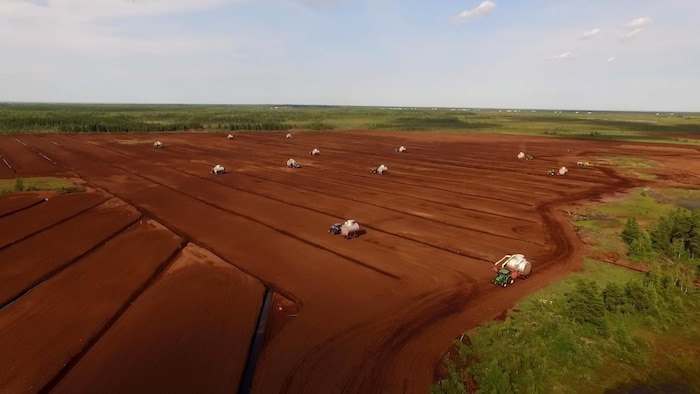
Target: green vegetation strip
608	326
17	118
37	184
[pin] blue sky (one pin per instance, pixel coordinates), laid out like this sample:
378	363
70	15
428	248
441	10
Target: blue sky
568	54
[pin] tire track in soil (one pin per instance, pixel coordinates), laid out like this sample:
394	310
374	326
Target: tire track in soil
376	366
409	324
253	219
363	187
174	229
373	228
354	175
488	168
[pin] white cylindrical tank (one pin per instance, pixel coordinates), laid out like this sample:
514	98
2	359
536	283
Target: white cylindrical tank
350	228
402	148
230	136
519	264
521	155
382	169
291	162
315	152
289	135
563	171
157	144
218	169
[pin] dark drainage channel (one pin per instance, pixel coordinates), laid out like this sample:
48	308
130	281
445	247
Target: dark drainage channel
256	344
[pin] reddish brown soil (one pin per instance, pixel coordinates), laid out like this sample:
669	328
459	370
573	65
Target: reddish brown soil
194	348
61	207
19	155
15	202
44	330
26	264
371	314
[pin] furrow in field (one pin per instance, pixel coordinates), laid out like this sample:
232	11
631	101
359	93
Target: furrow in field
24	224
16	202
28	263
65	313
23	160
189	332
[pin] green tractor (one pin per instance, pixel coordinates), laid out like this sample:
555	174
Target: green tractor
551	172
503	278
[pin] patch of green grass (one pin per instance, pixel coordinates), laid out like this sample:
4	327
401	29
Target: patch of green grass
633	166
37	184
545	345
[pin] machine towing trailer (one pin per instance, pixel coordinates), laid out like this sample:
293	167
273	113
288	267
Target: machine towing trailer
509	268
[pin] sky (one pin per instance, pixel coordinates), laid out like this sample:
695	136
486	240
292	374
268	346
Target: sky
559	54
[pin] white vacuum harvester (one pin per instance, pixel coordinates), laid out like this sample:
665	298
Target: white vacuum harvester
157	144
218	169
314	152
349	229
379	170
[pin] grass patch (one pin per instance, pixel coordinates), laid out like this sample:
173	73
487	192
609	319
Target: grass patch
38	184
633	166
568	337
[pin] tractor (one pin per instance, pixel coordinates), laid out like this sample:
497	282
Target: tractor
551	172
584	164
512	267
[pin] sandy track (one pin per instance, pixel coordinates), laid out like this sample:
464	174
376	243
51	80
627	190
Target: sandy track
207	311
69	310
27	263
57	209
372	314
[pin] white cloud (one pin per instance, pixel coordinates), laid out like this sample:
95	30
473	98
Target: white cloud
561	55
482	9
639	23
635	27
590	34
610	59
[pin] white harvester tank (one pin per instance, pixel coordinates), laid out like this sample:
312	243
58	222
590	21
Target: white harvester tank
291	163
157	144
521	155
350	229
401	149
315	152
289	135
563	170
382	169
516	263
230	136
218	169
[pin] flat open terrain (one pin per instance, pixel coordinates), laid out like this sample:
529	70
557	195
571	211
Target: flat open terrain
156	278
